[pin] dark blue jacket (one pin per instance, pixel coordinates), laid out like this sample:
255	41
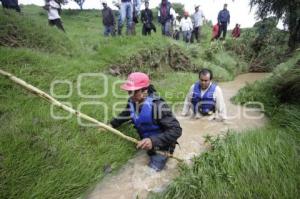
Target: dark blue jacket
108	18
162	117
143	121
9	3
224	16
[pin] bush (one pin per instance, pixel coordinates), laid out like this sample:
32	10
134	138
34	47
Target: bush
264	46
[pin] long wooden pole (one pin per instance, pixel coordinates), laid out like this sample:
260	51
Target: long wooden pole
55	102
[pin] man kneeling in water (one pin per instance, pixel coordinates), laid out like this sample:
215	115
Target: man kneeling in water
151	116
205	98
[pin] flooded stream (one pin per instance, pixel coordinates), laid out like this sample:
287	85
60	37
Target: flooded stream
136	179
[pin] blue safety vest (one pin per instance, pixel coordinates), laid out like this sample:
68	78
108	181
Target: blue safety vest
206	103
143	121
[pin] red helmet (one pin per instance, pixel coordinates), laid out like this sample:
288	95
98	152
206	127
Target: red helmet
136	81
186	13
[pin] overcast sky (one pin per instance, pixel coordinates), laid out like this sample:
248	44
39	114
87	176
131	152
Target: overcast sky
239	9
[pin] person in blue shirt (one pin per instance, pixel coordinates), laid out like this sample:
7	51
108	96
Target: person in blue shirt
223	20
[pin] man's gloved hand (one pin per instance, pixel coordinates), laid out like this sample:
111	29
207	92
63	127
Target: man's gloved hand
145	144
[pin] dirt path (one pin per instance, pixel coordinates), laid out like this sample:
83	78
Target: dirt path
135	179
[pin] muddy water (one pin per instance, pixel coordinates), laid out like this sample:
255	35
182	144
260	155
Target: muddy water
136	179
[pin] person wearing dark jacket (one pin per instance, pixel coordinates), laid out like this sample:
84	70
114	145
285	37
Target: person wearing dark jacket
11	4
152	118
108	20
146	18
165	17
223	20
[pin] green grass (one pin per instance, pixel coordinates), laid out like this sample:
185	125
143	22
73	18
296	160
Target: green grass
256	164
45	158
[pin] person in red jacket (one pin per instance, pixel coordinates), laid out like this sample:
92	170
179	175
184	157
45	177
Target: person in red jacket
215	32
236	32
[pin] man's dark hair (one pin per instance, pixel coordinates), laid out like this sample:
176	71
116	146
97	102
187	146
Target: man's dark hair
206	71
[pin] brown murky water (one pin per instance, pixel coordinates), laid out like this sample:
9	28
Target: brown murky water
136	179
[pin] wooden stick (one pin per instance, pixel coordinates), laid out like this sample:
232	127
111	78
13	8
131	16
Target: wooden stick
55	102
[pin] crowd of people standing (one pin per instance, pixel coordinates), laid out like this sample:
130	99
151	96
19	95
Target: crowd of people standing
129	13
172	24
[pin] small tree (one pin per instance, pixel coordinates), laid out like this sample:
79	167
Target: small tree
179	8
80	3
288	10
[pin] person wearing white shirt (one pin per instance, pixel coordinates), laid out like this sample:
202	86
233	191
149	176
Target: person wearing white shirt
197	18
173	13
175	24
53	8
205	98
186	26
176	27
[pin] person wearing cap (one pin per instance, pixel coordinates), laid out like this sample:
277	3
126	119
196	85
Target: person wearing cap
223	20
197	19
165	17
205	98
152	118
186	26
146	18
108	20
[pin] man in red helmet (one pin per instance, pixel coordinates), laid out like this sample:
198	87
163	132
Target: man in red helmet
152	117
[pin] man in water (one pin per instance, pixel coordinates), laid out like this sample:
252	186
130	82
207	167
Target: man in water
205	98
152	118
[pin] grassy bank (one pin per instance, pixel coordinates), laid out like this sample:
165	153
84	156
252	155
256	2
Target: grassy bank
256	164
262	163
43	157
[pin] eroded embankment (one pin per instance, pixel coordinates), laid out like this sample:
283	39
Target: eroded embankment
170	58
